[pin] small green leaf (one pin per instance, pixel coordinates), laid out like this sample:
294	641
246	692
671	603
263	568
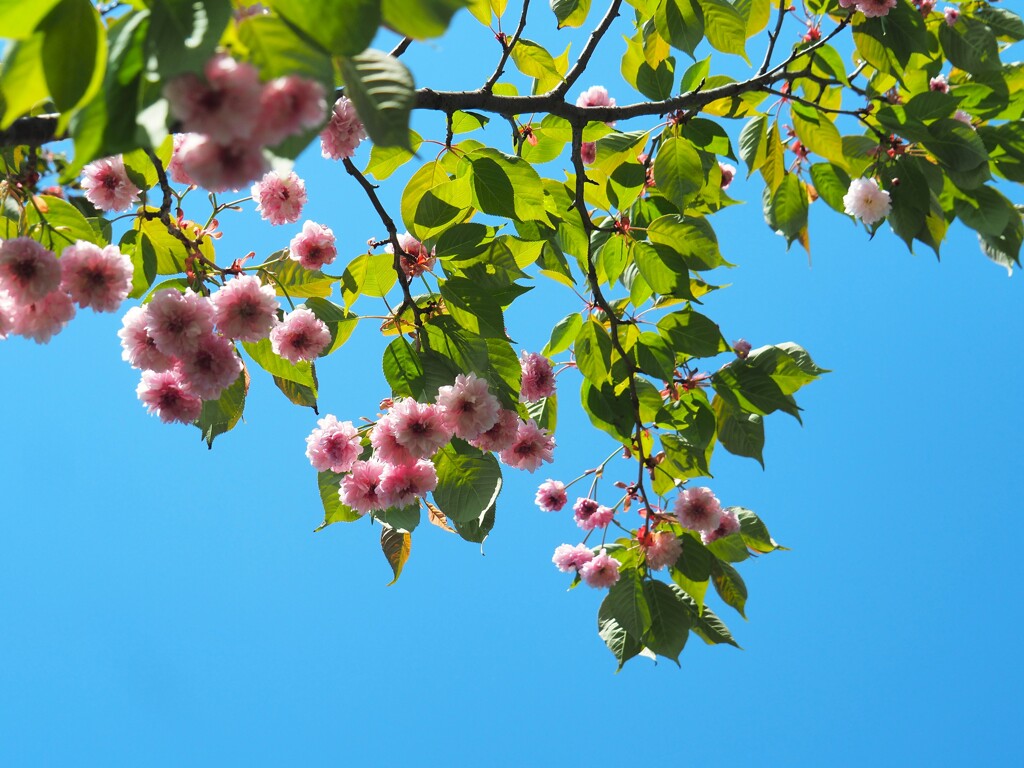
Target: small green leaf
396	545
221	415
334	511
563	334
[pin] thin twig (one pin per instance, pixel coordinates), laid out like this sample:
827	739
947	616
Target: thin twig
401	48
774	36
506	50
588	50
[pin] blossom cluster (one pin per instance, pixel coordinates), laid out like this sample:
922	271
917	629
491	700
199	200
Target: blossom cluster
229	116
403	442
183	342
38	291
416	259
870	8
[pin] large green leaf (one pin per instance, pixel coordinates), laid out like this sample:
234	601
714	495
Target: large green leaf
183	34
725	27
19	18
382	89
670	620
508	186
74	53
420	19
221	415
570	13
468	481
678	171
693	334
334	511
340	27
680	23
22	79
627	604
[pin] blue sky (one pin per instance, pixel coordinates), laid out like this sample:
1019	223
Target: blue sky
162	604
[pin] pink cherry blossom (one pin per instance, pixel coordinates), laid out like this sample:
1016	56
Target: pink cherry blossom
107	185
588	152
402	484
501	435
939	83
964	118
742	348
926	6
469	407
220	167
532	447
279	198
7	307
245	309
343	133
595	96
360	489
601	572
314	246
569	558
166	394
419	427
175	169
728	525
226	107
177	321
386	446
590	515
212	368
875	8
867	201
95	277
334	445
139	347
551	496
416	259
289	105
538	377
28	272
302	336
43	319
728	174
952	15
664	550
698	509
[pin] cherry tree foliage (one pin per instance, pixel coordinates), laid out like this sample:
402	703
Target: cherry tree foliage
131	132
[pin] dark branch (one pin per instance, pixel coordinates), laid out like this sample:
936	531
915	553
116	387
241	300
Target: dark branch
31	131
592	42
773	37
506	50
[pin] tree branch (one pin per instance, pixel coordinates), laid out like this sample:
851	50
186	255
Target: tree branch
588	51
31	131
506	50
773	37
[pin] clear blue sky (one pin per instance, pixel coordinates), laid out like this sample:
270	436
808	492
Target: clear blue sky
161	604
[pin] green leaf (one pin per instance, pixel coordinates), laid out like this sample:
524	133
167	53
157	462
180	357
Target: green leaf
477	530
831	183
339	321
593	349
725	27
785	211
570	13
504	185
468	481
563	334
1004	249
691	236
729	548
74	53
221	415
533	60
22	79
627	604
750	388
382	89
334	511
729	585
670	620
970	45
263	354
386	160
678	171
680	23
544	412
183	35
754	143
420	19
693	334
664	269
622	645
340	27
985	210
297	281
817	133
402	519
739	432
298	394
57	224
396	545
403	369
19	18
692	571
754	532
956	145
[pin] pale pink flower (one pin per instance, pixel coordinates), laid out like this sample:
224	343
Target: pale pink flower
245	309
402	484
698	509
334	445
43	319
538	377
212	368
175	169
847	3
664	549
302	336
386	446
7	307
95	277
107	185
416	259
220	167
964	118
874	8
926	6
28	272
939	83
226	107
728	525
501	435
343	133
595	96
166	394
139	347
588	152
314	246
866	201
419	427
177	321
728	174
551	496
952	15
289	105
569	558
532	447
590	515
601	572
360	489
742	348
469	407
279	198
